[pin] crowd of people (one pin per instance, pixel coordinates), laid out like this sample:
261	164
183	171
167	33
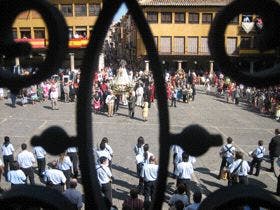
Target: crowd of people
61	174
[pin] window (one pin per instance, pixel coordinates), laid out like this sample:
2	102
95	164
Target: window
166	17
66	10
207	17
245	42
152	17
156	41
165	44
231	45
192	44
94	9
81	32
204	45
25	33
15	33
180	17
179	45
39	33
80	10
235	20
193	18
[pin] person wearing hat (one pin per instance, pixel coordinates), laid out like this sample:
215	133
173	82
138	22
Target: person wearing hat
54	178
8	154
104	176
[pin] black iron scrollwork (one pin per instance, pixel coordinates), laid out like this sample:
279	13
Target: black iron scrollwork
194	139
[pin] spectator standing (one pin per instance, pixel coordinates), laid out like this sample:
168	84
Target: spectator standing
139	147
239	168
227	153
179	195
16	176
104	176
54	96
65	165
73	195
197	200
133	202
257	155
174	97
40	155
66	90
131	104
72	152
26	161
149	175
8	154
274	148
110	101
103	152
145	111
183	172
54	178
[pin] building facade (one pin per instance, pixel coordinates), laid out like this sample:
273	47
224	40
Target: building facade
180	29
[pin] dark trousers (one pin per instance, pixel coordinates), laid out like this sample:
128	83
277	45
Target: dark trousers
243	180
173	102
29	173
13	99
256	162
184	98
187	184
58	187
272	162
74	158
149	188
107	191
8	159
41	165
131	112
67	174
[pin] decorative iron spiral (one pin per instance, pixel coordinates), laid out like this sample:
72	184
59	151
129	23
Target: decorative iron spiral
194	139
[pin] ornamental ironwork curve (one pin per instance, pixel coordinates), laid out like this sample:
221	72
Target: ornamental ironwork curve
194	139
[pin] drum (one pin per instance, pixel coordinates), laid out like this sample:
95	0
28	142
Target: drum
277	166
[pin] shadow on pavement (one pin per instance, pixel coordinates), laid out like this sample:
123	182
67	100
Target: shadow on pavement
125	170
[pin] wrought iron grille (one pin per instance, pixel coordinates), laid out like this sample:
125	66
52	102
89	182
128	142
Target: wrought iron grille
196	139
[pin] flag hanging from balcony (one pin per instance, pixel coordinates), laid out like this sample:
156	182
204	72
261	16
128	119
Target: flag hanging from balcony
248	26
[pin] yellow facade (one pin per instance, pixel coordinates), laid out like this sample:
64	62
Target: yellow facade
31	21
186	29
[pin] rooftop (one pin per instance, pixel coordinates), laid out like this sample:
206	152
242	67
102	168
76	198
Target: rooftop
184	2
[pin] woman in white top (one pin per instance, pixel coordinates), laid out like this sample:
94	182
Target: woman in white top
8	154
65	165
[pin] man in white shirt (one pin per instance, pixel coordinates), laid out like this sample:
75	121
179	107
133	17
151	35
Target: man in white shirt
72	152
26	161
227	153
240	168
102	152
183	172
7	152
40	154
16	176
257	155
54	178
149	173
104	176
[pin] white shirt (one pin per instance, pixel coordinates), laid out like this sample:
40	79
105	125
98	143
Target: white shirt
103	153
16	177
55	176
25	159
227	150
179	151
1	163
146	161
149	172
242	170
65	164
39	152
104	174
109	149
138	150
139	158
259	152
184	170
7	150
71	150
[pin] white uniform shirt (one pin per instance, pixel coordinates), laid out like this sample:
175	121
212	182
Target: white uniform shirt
179	151
146	161
1	163
138	150
72	150
184	170
259	152
227	151
103	153
109	149
39	152
139	158
55	176
7	150
104	174
25	159
16	177
243	169
149	172
65	164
